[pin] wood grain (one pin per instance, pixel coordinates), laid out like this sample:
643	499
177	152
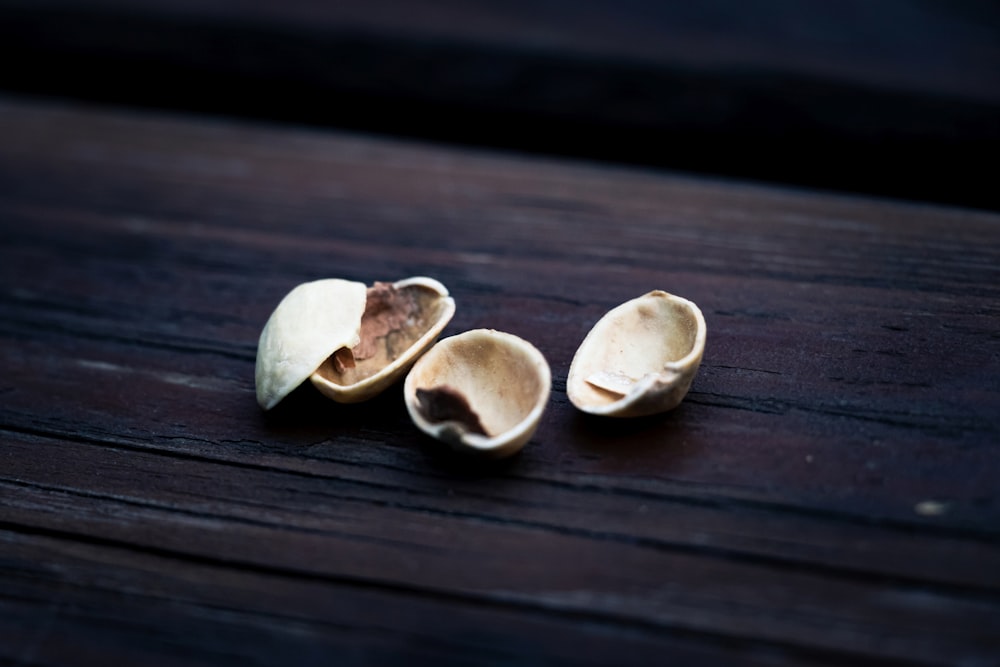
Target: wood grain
826	494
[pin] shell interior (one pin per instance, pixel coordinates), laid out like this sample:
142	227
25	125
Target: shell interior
399	321
488	378
655	339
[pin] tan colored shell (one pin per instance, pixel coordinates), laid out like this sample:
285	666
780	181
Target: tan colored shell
481	380
350	340
640	358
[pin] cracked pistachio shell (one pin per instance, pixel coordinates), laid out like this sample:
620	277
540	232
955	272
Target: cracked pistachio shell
640	358
399	324
381	329
312	322
482	392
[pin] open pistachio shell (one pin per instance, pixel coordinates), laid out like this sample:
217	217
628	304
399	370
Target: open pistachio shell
352	341
482	391
639	359
400	322
312	322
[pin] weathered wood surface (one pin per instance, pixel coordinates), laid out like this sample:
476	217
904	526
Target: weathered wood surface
893	97
827	494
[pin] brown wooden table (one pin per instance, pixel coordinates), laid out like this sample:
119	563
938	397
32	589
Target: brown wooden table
827	493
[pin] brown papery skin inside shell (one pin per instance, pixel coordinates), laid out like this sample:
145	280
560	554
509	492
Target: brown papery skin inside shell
388	309
445	403
394	319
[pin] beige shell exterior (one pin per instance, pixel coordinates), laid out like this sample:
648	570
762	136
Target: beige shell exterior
505	380
393	364
318	318
312	322
640	358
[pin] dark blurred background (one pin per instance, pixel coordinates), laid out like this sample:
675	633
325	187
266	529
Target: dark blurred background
896	98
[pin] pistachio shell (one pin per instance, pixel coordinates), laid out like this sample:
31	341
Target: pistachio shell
399	324
312	322
640	358
482	391
350	340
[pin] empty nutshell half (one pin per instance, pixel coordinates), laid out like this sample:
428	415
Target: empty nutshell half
481	392
350	340
640	358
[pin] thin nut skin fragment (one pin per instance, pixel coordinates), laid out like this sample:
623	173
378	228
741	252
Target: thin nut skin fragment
441	404
640	358
343	359
312	322
388	309
502	379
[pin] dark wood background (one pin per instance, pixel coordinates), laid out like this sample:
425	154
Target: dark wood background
827	493
895	97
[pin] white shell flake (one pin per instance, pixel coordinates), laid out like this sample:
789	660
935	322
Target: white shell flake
482	391
640	358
